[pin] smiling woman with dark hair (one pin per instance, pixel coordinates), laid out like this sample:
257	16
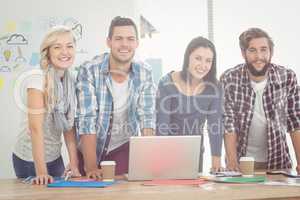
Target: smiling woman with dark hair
189	98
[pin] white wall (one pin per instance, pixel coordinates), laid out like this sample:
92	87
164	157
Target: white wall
178	22
277	17
32	18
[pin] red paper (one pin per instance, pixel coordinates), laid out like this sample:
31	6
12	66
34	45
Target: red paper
175	182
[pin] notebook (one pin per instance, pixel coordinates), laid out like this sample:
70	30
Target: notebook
164	157
255	179
89	184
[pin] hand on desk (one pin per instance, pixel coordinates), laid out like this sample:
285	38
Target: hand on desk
232	166
148	132
216	164
73	170
298	169
42	179
94	174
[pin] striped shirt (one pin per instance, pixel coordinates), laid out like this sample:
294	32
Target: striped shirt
95	100
281	106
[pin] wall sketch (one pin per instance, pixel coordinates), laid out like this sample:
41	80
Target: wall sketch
19	41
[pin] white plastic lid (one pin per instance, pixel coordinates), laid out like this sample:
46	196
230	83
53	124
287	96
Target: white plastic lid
108	162
247	159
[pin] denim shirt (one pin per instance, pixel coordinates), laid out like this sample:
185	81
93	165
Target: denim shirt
95	101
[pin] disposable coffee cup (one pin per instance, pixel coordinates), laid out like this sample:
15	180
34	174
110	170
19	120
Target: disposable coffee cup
247	166
108	170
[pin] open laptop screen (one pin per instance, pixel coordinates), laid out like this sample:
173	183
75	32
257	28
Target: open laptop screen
164	157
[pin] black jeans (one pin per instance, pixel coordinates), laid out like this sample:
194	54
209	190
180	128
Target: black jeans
23	168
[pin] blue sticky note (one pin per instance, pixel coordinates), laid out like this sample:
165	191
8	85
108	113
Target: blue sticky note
35	59
88	184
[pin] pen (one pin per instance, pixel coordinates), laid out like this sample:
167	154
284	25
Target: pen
68	175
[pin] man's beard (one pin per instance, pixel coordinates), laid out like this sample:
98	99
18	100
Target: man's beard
255	72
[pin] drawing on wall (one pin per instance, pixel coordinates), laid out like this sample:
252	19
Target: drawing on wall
146	27
75	26
77	30
4	37
82	51
20	59
5	69
48	22
7	54
17	39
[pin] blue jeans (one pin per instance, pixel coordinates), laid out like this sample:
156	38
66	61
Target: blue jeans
23	168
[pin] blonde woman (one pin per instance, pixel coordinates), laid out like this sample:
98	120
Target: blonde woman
50	112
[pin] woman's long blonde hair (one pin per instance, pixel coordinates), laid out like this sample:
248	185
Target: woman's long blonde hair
49	39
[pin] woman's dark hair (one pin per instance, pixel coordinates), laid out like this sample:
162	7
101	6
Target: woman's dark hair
192	46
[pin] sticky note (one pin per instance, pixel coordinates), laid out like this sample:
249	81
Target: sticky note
1	83
25	26
35	59
10	26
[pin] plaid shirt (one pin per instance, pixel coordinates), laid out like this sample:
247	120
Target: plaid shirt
95	101
281	105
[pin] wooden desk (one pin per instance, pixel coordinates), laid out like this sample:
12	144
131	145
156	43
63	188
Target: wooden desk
15	190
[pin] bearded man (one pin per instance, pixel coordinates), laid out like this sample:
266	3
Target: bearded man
261	104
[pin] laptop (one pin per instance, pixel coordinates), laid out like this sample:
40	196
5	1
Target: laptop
164	157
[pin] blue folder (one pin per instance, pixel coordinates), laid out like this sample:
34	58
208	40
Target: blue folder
84	184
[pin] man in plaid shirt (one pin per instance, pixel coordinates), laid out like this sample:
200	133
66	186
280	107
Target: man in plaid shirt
116	99
261	104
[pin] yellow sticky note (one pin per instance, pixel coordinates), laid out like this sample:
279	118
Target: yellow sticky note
11	26
1	83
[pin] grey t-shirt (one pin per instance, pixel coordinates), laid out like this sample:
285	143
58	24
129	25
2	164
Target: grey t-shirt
52	138
178	114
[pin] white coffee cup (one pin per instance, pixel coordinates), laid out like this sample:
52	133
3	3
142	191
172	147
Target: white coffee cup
108	170
247	166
